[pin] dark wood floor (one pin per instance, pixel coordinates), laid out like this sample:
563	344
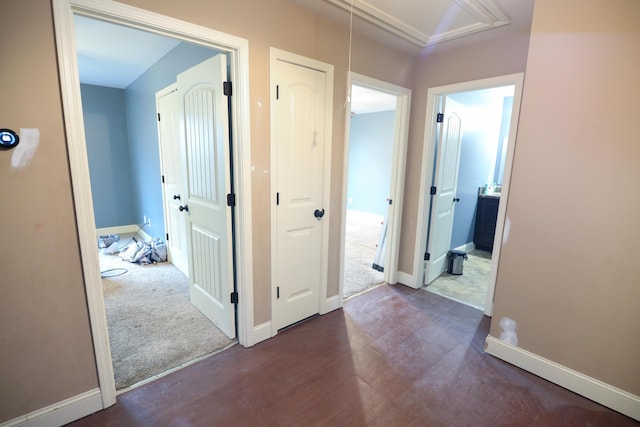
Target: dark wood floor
392	357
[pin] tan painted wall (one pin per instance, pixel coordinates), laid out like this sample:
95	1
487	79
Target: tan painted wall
569	273
283	25
45	344
45	339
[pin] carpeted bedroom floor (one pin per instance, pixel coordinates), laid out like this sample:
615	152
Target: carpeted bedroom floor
153	327
361	241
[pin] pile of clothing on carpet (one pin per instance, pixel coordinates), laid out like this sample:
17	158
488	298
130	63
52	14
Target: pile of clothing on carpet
141	252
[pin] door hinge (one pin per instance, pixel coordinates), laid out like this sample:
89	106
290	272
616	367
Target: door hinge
158	116
440	118
277	91
231	199
433	190
227	88
163	179
167	237
234	297
427	256
278	292
277	199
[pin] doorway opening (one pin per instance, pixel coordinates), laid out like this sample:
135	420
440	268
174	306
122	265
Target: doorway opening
236	50
465	182
485	116
154	323
375	147
373	114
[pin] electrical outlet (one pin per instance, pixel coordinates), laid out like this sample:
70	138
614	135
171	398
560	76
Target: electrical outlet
149	222
144	219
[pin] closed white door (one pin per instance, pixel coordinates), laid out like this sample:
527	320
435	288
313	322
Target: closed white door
172	150
206	135
444	201
299	144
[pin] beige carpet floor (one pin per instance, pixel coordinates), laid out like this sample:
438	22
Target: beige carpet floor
152	325
471	287
361	240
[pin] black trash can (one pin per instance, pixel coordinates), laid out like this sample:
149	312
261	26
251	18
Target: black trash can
454	261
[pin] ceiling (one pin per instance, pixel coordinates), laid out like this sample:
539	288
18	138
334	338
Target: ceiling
114	56
413	25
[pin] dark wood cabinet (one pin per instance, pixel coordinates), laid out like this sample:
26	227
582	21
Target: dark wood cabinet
486	218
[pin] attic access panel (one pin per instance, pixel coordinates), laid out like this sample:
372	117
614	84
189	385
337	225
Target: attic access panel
426	22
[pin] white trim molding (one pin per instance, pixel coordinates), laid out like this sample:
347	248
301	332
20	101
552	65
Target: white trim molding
467	247
330	304
407	279
262	332
486	15
61	413
121	229
577	382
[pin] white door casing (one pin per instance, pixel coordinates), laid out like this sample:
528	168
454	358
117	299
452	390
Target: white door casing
446	183
428	154
206	139
173	162
398	162
238	49
300	136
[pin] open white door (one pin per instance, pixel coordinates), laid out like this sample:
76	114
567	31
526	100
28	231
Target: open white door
444	201
206	136
173	161
299	142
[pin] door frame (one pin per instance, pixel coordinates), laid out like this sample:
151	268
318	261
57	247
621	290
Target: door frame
327	304
398	167
428	154
173	87
451	121
238	49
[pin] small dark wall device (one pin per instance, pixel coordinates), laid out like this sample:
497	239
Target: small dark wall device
8	139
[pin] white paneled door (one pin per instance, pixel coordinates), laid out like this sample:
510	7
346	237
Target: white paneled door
208	218
172	151
299	147
446	183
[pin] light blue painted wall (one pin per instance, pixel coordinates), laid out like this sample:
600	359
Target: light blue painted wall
370	154
482	119
108	154
475	164
140	98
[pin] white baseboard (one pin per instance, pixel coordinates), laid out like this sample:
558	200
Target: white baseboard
407	279
144	235
467	247
61	413
121	229
260	333
124	229
331	303
591	388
